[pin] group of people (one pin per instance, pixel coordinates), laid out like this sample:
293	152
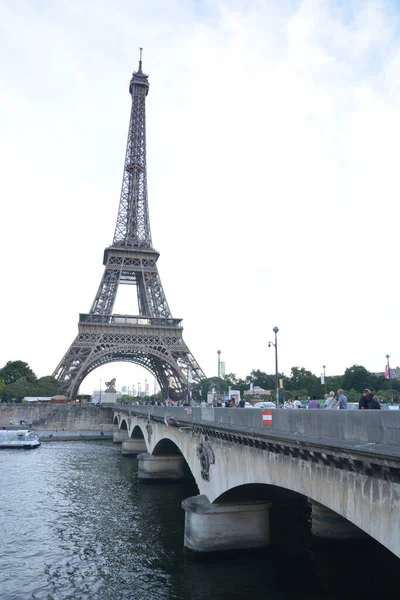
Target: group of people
330	401
296	403
368	401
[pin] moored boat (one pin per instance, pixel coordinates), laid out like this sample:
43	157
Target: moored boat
19	438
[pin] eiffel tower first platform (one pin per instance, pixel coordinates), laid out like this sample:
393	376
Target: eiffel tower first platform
153	338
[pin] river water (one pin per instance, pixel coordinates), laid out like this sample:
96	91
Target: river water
75	523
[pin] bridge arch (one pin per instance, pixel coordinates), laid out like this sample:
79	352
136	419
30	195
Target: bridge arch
137	433
255	492
166	446
325	522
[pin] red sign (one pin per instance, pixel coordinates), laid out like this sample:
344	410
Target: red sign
267	417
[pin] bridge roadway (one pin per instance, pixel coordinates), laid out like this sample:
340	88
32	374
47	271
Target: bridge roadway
347	463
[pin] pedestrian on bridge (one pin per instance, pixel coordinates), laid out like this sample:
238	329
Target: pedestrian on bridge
342	400
373	402
314	403
362	403
297	402
331	400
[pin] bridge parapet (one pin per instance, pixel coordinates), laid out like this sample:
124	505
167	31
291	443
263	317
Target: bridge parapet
362	429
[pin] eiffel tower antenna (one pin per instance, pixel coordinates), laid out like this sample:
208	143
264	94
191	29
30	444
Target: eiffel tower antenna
140	60
153	338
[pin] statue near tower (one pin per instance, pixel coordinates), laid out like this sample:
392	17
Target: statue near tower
110	385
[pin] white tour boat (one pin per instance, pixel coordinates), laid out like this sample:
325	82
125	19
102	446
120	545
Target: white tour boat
19	438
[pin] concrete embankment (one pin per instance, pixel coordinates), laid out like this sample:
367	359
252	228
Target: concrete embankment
69	436
51	417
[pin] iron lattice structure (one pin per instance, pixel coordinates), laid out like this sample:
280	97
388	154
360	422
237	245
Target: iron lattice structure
153	338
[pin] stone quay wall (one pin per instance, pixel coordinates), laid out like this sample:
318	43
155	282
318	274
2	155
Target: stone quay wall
57	416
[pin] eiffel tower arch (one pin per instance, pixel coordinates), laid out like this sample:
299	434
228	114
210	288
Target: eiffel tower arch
153	338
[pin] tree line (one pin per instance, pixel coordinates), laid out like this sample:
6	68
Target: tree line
305	384
17	380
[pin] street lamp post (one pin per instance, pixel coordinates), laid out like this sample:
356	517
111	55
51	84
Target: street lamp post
390	379
324	367
219	375
275	330
100	393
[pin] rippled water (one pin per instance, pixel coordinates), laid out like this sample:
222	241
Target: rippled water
76	524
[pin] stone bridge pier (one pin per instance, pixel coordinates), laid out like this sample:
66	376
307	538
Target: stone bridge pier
353	485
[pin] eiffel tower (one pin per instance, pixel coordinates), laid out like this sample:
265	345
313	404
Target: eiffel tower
153	338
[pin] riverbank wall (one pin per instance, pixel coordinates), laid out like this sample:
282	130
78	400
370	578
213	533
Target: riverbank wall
74	436
56	416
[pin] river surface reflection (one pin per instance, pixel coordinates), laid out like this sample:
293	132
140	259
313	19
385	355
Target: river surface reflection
77	524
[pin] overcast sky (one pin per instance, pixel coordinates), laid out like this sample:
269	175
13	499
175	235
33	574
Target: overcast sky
273	131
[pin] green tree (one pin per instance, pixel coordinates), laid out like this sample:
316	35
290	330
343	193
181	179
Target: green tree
86	397
125	399
201	389
16	369
352	395
15	391
384	394
359	378
46	386
301	379
261	379
333	384
235	383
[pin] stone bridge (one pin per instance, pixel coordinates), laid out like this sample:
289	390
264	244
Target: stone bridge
347	463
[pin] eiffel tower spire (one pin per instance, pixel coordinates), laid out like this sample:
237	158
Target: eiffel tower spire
133	223
152	339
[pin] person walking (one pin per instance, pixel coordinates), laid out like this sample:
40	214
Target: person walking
341	401
314	403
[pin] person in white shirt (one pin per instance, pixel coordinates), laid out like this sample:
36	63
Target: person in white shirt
297	403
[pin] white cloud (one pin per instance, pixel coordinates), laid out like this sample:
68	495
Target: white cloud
272	151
